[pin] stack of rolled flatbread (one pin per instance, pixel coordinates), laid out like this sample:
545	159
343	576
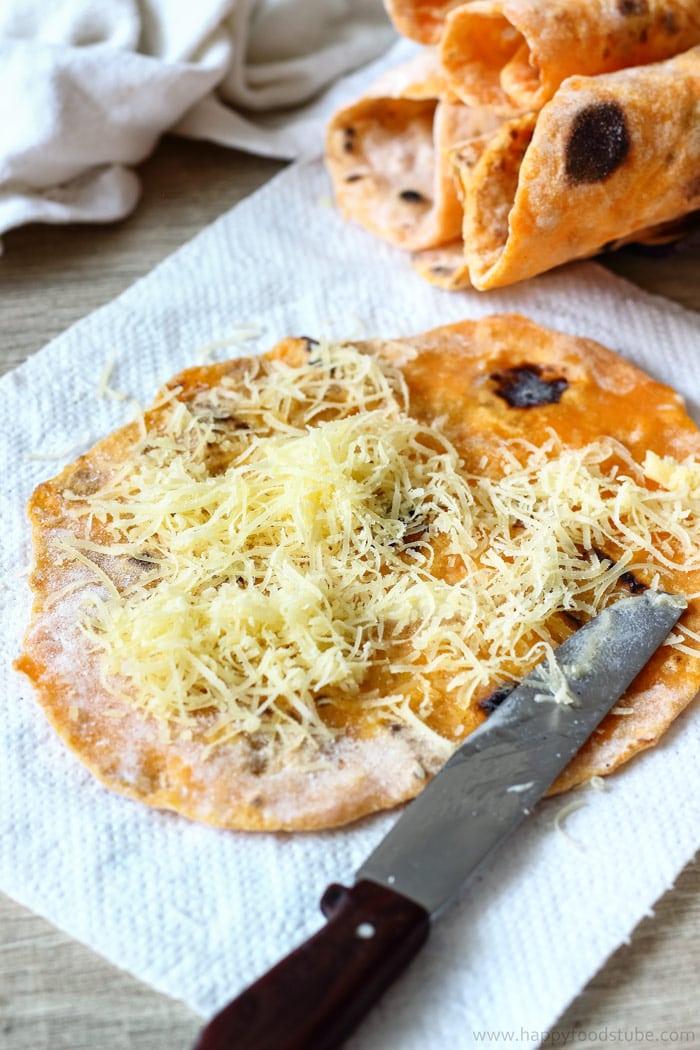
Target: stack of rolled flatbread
524	135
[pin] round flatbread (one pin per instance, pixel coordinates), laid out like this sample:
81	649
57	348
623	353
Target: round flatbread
282	598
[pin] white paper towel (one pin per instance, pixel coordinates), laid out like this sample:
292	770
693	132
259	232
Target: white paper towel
196	912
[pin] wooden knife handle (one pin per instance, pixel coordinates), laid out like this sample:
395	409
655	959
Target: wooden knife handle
315	997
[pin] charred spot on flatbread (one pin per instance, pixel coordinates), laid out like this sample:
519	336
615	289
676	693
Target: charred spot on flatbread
488	704
632	7
627	579
635	586
349	139
598	144
412	196
85	480
309	342
528	385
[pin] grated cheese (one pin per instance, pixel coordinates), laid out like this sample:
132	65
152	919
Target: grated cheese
561	817
238	338
104	390
76	446
683	477
294	541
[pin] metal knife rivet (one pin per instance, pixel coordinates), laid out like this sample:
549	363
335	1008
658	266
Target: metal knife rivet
365	930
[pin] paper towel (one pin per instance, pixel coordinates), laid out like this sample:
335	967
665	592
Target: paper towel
196	912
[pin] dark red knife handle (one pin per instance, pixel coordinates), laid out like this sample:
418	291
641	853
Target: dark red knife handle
316	996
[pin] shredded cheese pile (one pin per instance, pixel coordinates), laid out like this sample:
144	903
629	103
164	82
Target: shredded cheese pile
294	540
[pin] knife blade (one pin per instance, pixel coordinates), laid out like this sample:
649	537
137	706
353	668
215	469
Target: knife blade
315	997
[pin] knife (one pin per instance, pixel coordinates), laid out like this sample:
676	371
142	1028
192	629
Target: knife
315	997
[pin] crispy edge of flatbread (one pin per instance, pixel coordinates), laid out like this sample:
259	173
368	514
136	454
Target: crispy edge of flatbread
444	368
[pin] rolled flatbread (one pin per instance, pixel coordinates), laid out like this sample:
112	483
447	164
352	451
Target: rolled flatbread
608	156
514	54
389	156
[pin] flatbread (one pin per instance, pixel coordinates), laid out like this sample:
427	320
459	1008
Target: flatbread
514	54
621	149
388	156
420	20
495	391
446	266
481	156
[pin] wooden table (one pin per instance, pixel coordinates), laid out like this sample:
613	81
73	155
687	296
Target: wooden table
55	993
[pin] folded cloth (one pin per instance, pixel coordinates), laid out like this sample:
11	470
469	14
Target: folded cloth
89	86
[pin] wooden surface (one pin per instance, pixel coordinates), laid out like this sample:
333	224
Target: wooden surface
57	994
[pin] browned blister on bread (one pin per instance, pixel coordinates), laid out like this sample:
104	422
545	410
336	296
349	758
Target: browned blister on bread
514	54
282	600
445	266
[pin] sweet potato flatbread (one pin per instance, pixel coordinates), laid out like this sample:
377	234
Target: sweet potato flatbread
484	202
446	265
621	149
513	54
281	598
389	156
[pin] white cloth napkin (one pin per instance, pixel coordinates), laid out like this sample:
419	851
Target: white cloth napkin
87	87
198	913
